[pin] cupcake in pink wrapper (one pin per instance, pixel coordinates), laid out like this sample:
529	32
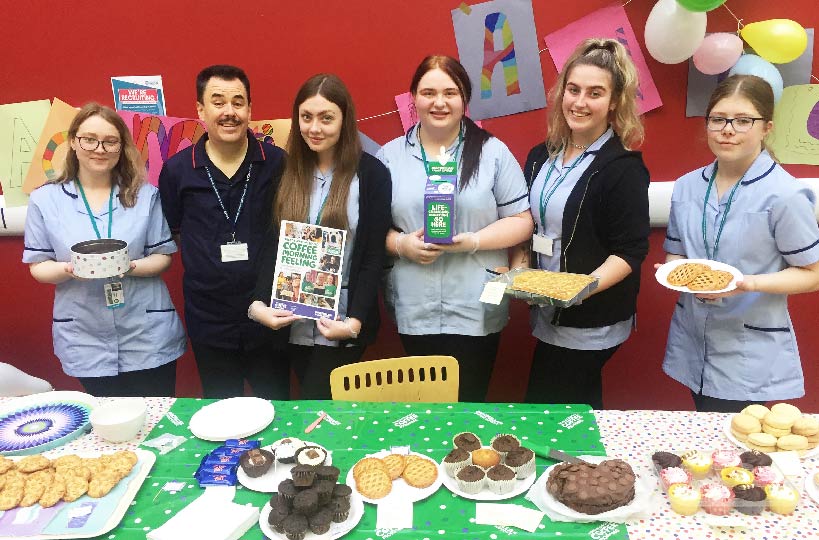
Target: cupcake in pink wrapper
674	475
725	458
767	475
717	499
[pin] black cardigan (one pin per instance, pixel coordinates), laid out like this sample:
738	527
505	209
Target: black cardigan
606	214
367	261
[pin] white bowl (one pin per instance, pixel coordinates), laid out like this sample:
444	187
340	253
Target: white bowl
119	420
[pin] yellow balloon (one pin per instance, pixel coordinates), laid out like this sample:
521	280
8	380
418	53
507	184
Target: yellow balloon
776	40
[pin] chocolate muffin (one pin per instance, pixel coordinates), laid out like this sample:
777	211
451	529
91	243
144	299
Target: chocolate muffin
311	455
327	472
504	443
755	458
295	526
288	490
471	479
276	520
522	461
306	502
340	509
256	462
324	490
749	500
342	491
277	502
456	460
303	475
664	460
500	479
468	441
592	489
320	521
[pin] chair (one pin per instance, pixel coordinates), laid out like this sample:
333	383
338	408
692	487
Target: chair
409	378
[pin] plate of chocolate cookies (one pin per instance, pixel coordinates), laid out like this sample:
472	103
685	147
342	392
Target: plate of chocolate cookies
265	468
602	489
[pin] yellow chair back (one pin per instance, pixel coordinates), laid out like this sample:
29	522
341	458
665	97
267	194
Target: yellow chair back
409	378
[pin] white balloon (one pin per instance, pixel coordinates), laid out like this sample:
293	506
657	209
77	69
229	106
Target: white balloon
673	33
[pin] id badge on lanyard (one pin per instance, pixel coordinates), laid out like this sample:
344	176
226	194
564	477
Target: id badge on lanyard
234	251
114	295
543	244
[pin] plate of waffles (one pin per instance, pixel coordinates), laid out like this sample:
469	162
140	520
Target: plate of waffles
385	476
698	276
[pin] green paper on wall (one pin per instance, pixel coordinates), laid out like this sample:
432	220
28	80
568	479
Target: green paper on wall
20	128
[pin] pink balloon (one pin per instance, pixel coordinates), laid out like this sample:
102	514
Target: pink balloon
718	53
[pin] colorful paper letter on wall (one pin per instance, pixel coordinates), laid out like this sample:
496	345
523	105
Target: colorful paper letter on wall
159	137
52	146
274	132
609	22
497	44
20	126
795	138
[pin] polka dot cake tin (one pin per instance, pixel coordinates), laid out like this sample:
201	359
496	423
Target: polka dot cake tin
103	258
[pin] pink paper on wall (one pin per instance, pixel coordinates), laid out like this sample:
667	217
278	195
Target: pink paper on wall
159	137
407	112
609	22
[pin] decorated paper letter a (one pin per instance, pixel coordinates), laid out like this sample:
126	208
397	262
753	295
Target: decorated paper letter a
506	55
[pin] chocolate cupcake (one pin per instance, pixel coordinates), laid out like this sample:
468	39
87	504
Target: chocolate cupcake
456	460
755	458
504	443
320	521
288	490
276	520
328	472
286	449
277	502
468	441
306	502
522	461
295	526
311	455
665	460
500	479
324	490
340	509
342	491
256	462
303	475
470	479
749	500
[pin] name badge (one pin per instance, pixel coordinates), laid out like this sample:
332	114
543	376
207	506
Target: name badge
234	251
542	244
114	295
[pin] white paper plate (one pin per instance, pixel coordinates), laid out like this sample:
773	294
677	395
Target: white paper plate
810	486
278	472
641	503
337	530
401	491
232	418
726	428
485	495
662	275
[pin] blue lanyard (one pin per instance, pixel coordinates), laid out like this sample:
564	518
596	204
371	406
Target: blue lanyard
324	201
558	181
241	201
91	214
708	254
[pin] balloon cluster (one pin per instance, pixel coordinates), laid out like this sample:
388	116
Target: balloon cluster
675	31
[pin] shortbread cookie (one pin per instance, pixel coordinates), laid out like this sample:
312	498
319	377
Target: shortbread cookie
787	410
395	464
685	273
792	442
711	280
778	421
756	410
374	483
420	473
805	425
367	464
764	442
745	424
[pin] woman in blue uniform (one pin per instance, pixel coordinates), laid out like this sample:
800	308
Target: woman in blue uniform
123	349
589	198
433	289
329	181
745	210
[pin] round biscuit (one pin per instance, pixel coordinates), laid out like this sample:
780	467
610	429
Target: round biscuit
787	410
776	432
805	425
742	437
756	410
745	423
778	421
373	483
792	442
762	439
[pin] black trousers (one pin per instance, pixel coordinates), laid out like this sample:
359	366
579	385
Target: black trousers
712	404
313	365
159	381
223	371
561	375
475	355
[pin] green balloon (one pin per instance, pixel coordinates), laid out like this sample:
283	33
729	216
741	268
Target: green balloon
700	5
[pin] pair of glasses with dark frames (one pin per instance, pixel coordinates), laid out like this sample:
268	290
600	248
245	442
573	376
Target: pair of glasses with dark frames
740	124
90	144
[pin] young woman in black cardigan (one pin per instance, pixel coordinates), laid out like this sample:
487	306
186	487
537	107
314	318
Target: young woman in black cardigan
329	181
589	199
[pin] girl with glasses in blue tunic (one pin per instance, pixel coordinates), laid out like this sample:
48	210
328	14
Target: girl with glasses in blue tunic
127	348
744	209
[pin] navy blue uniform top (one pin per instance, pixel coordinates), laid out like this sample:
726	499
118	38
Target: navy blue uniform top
218	293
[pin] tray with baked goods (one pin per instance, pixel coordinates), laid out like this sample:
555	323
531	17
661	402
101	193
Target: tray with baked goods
723	484
387	476
501	470
542	287
598	489
782	427
698	276
81	495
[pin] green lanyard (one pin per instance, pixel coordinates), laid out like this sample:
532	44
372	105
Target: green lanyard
544	203
91	214
708	254
424	154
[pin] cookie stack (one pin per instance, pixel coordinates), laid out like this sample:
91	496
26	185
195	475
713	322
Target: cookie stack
782	427
592	489
310	500
699	277
374	476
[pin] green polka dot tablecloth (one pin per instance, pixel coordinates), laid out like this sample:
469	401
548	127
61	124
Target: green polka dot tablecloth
352	430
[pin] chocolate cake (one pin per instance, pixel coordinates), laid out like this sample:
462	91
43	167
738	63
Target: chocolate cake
755	458
592	489
664	460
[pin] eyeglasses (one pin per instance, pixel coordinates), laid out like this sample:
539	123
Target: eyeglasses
90	144
740	124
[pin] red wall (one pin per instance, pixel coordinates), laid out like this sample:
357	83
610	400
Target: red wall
71	49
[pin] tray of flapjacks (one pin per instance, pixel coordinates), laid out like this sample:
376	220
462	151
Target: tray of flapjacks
698	276
542	287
